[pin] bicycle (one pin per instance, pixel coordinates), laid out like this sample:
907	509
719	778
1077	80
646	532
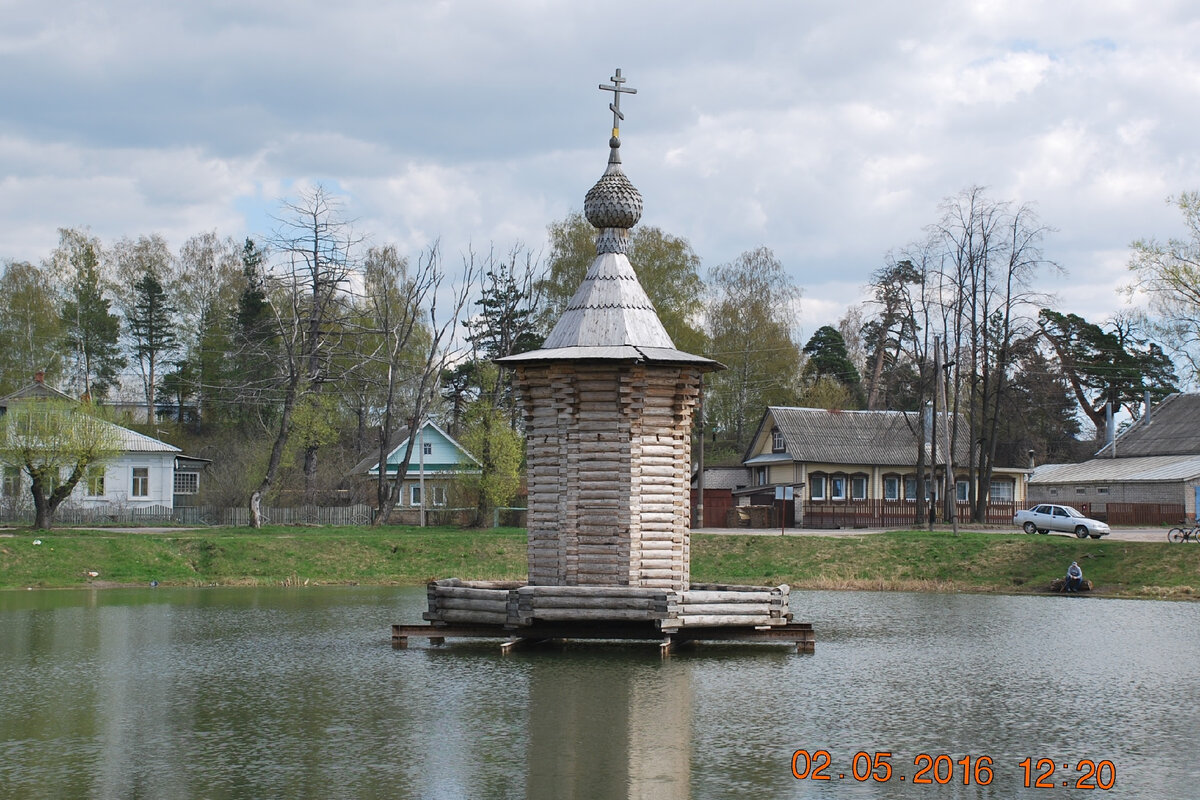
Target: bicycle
1191	534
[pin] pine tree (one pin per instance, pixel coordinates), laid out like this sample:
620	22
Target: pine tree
152	328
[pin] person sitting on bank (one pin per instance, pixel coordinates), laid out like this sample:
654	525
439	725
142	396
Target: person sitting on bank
1074	577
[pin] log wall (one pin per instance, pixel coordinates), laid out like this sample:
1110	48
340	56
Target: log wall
609	466
514	605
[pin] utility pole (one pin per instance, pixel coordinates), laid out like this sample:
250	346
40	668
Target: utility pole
700	458
951	490
933	418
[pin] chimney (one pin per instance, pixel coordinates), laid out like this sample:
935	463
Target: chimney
1111	435
39	377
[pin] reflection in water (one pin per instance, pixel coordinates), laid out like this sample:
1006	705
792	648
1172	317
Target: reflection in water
596	731
250	693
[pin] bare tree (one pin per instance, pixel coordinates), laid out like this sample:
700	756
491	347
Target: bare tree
989	253
413	347
307	292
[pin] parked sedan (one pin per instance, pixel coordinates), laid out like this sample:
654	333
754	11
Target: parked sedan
1048	517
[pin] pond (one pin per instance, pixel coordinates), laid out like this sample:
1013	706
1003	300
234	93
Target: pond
252	693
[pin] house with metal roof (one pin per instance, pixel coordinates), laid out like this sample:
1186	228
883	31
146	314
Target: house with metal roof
147	476
1148	474
437	464
859	468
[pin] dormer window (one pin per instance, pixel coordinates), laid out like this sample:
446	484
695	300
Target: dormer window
776	440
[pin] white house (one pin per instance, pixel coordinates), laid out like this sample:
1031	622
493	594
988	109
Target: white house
146	475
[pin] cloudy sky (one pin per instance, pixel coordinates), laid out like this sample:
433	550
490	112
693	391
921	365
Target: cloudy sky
829	132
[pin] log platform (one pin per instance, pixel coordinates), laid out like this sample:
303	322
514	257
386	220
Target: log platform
524	615
799	633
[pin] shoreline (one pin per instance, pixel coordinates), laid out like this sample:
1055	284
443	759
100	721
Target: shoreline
918	561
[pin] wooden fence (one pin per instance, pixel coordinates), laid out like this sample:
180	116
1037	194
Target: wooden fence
358	514
1142	513
893	514
68	516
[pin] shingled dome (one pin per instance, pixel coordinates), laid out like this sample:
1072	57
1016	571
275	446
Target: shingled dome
613	202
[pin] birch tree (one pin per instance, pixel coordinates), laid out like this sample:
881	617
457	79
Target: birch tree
1168	273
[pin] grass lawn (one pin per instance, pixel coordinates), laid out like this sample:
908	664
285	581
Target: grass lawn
907	560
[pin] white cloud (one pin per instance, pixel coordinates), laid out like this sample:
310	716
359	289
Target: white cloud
828	133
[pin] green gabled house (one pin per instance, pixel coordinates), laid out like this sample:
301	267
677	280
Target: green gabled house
437	464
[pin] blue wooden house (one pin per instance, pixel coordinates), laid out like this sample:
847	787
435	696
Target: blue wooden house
437	464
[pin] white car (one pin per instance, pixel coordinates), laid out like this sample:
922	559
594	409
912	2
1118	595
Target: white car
1049	517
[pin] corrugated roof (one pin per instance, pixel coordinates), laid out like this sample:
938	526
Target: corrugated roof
129	441
853	437
1144	468
1174	430
134	442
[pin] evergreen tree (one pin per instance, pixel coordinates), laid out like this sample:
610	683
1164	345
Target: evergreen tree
152	328
827	357
1112	365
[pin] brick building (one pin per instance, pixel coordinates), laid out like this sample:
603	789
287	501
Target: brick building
1150	474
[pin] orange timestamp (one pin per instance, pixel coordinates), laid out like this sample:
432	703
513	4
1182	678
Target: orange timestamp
941	768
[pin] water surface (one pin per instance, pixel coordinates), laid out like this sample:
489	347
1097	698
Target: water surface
252	693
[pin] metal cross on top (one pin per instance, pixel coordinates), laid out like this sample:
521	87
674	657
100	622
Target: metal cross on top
617	89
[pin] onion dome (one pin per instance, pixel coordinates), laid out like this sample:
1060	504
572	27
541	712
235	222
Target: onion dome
610	317
613	205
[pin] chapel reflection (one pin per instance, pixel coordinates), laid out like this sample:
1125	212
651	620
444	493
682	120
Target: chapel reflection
589	723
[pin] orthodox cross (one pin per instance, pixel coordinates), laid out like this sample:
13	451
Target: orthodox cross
617	89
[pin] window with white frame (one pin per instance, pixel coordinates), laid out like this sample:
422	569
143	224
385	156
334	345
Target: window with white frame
95	481
837	487
962	491
437	494
427	448
776	441
1001	491
1101	490
140	486
187	482
816	487
910	489
414	494
858	487
891	488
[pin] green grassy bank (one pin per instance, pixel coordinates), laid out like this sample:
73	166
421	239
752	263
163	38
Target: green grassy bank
916	560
